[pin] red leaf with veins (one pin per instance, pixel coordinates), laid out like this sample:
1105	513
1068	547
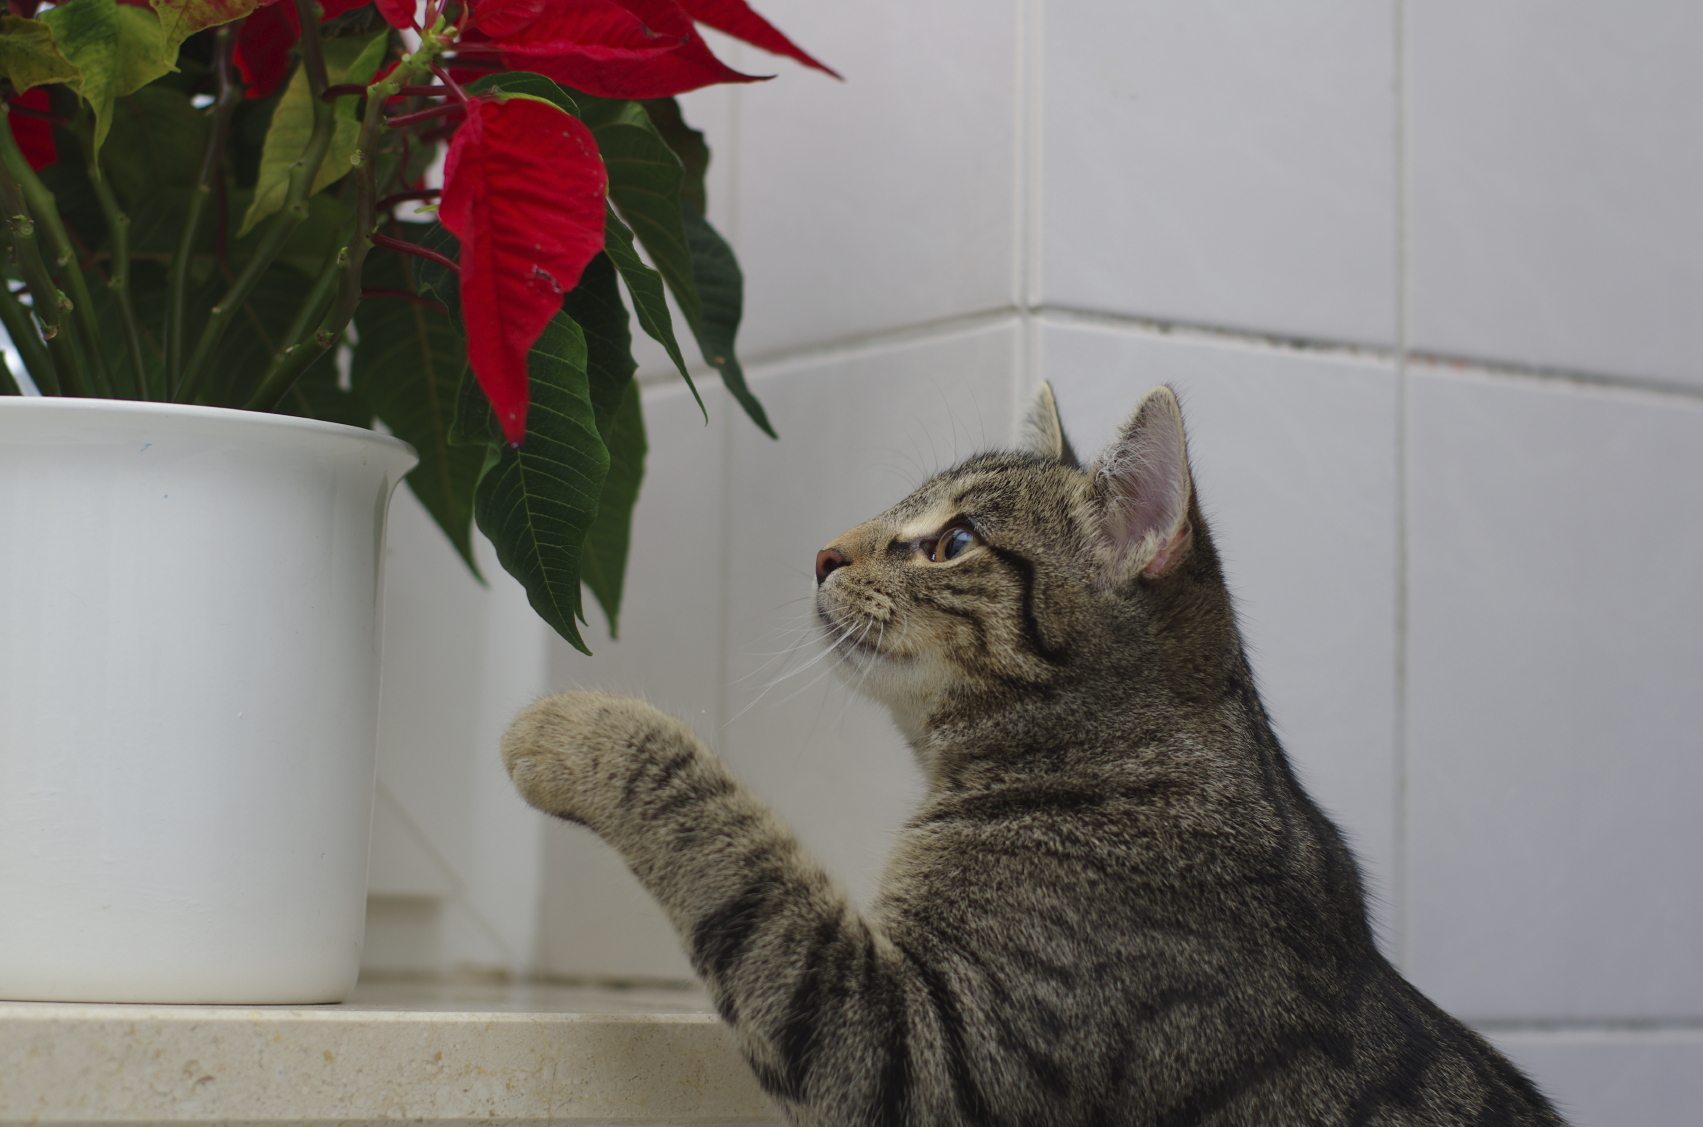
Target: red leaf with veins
34	134
524	192
736	18
608	48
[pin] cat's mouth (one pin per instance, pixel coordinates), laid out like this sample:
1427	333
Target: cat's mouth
847	639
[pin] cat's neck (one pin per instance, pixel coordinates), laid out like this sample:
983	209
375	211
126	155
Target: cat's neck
1128	720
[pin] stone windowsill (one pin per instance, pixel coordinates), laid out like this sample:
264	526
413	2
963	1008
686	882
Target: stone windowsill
419	1052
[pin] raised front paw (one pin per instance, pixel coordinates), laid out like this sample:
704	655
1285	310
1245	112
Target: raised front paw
571	754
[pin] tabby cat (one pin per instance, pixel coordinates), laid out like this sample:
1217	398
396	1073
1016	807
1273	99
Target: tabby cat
1116	905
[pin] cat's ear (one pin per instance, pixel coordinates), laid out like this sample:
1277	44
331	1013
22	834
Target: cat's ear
1040	431
1144	483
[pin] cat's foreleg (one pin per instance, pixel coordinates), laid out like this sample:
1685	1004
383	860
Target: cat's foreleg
817	995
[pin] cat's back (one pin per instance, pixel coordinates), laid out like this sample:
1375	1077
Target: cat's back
1077	961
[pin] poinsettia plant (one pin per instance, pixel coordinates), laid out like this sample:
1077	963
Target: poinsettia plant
215	201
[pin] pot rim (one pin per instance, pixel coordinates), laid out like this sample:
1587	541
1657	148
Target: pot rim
234	415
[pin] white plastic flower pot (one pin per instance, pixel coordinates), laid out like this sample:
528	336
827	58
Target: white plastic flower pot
189	674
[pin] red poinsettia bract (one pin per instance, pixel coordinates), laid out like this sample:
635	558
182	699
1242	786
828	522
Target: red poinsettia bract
264	41
735	18
524	192
610	48
32	127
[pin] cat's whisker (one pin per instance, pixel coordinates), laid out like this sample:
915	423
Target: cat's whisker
843	638
868	665
816	680
951	418
776	657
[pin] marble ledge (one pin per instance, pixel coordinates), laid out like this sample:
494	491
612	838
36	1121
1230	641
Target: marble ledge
416	1052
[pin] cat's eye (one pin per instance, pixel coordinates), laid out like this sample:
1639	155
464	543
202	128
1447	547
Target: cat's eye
952	543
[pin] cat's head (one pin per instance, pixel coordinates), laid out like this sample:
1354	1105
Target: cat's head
1010	571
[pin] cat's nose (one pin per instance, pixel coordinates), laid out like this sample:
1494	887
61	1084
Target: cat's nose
827	560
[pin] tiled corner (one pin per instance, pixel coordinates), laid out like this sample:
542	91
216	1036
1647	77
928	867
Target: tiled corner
1555	649
595	920
1555	183
459	658
1224	164
888	199
1614	1078
858	432
1295	467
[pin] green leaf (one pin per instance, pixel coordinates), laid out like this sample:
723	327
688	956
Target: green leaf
537	501
182	18
651	186
410	363
596	305
117	49
346	61
28	56
649	300
610	535
644	181
722	287
322	233
525	83
688	144
155	151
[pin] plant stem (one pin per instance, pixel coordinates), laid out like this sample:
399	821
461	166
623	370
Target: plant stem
351	89
429	114
118	231
8	382
45	210
403	246
16	321
449	82
403	197
302	175
294	358
289	362
212	170
406	295
46	300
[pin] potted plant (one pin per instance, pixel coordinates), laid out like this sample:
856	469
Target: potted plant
222	269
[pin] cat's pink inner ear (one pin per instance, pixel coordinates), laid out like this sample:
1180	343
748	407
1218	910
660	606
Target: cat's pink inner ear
1145	477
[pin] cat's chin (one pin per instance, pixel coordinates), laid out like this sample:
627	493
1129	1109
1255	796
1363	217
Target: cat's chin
902	683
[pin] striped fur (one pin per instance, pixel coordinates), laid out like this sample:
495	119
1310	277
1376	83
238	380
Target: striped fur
1115	906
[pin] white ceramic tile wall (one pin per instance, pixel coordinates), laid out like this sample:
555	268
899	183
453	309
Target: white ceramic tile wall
1628	1078
1222	163
1296	469
887	200
459	659
1555	650
1554	177
858	432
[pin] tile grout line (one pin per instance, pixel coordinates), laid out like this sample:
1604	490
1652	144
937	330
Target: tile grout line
1026	370
853	344
1206	332
724	564
1621	1027
724	441
1398	718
